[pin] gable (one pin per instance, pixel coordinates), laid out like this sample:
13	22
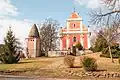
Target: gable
74	15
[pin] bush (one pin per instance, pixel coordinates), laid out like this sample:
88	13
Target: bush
79	46
91	48
69	61
89	64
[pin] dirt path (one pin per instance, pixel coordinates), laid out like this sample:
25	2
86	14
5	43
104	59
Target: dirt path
58	62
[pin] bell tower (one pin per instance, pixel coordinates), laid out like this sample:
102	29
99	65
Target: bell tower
33	42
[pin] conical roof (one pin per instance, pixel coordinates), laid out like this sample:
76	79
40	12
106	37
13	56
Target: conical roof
34	31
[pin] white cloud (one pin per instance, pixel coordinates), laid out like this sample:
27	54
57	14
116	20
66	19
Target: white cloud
20	27
7	9
92	4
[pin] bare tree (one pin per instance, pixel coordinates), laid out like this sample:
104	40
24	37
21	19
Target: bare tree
48	35
108	22
111	35
106	18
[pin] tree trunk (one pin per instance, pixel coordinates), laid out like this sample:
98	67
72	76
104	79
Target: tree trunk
111	54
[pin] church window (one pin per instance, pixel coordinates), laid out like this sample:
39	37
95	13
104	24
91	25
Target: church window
74	39
73	25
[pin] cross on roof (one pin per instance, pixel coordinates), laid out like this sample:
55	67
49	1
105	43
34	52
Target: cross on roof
74	9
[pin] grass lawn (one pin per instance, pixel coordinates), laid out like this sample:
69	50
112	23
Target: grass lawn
26	64
54	67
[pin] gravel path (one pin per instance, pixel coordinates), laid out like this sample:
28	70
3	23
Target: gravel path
10	77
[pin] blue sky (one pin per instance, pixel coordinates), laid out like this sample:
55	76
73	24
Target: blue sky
22	14
57	9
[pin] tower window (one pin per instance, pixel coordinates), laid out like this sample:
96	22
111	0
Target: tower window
74	39
73	25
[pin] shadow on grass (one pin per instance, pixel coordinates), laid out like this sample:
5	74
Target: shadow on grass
100	70
25	62
77	67
35	61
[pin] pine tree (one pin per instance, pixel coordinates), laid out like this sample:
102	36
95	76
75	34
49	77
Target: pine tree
100	43
11	46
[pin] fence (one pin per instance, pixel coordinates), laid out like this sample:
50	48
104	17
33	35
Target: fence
57	53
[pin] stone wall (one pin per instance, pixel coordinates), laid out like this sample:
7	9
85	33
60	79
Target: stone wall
57	53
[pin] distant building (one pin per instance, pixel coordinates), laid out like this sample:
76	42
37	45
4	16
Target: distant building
74	31
33	42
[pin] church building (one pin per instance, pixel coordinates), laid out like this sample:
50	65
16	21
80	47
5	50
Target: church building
74	31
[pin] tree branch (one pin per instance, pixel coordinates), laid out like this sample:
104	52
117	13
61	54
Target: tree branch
109	13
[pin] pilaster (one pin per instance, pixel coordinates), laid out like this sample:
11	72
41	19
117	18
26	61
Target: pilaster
61	44
81	39
88	36
67	42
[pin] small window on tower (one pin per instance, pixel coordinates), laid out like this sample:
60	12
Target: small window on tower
74	39
73	25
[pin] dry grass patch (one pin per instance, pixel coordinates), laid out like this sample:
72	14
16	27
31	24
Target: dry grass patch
105	63
26	64
54	67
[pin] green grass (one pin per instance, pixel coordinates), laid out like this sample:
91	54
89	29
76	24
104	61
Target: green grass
6	66
26	64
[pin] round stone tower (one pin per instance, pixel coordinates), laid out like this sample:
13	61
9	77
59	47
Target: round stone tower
33	42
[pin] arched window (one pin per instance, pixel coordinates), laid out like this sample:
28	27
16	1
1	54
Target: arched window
74	39
73	25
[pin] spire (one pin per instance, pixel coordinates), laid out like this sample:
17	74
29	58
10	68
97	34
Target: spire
74	9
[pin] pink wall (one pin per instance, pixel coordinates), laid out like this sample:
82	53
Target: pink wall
64	42
77	24
78	38
85	41
71	41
